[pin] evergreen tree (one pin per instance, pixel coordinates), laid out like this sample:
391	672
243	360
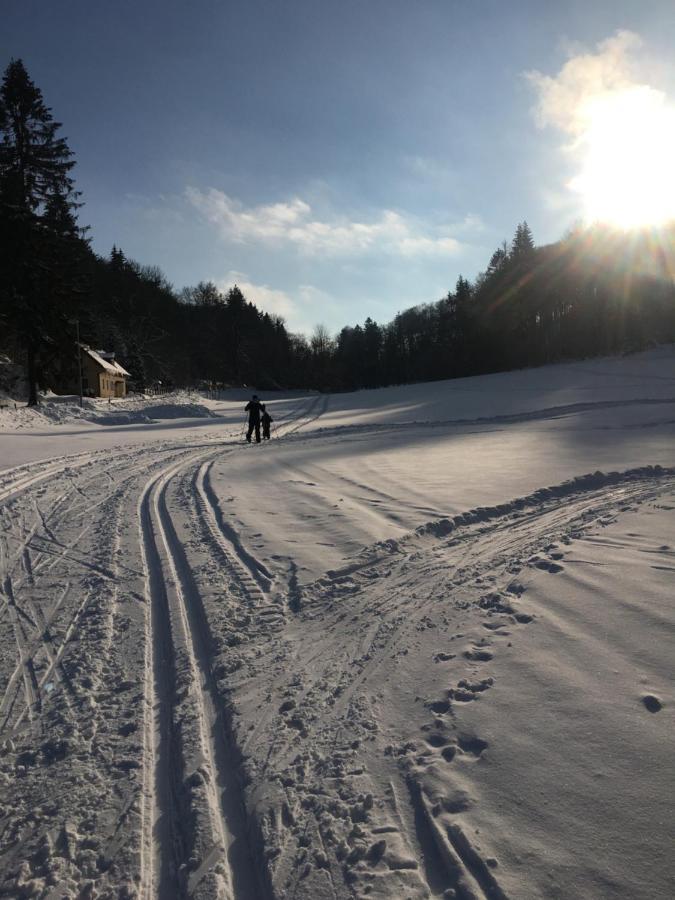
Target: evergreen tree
59	217
372	341
37	215
118	261
523	243
34	162
236	304
498	260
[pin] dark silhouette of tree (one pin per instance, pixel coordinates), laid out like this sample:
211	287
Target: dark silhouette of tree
372	348
522	245
236	317
498	262
598	290
40	238
34	162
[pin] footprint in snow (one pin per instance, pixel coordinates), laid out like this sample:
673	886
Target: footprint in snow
494	626
515	587
470	744
467	690
652	703
437	740
477	654
439	706
547	565
465	745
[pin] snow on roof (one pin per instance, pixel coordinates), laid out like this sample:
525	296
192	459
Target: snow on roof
108	365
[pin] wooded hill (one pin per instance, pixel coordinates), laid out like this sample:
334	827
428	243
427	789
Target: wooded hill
596	291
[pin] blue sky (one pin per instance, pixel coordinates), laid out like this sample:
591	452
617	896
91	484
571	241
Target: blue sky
336	159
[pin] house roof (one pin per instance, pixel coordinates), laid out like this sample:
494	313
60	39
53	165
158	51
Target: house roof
108	365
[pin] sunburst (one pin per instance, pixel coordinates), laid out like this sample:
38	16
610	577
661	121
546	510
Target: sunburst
628	174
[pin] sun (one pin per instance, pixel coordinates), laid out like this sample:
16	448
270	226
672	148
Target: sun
628	145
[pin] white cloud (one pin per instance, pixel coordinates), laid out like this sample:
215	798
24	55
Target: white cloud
415	246
293	223
619	132
301	311
271	300
565	100
473	222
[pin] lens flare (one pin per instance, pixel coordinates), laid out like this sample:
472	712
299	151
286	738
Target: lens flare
628	175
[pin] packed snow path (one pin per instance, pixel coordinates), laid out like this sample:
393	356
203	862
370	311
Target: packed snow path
206	693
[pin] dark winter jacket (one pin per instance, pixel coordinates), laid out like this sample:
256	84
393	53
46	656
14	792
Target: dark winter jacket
253	410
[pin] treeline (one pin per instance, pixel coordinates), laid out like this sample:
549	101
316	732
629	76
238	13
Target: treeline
201	336
53	285
597	291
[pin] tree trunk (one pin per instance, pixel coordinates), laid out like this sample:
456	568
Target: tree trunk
235	353
32	376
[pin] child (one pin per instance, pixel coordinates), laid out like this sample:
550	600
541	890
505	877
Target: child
266	420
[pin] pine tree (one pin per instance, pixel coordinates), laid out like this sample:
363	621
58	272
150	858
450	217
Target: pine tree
236	305
498	260
59	217
523	242
372	343
37	215
34	162
118	261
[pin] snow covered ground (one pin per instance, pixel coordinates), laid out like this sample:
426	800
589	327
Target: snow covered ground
418	645
141	410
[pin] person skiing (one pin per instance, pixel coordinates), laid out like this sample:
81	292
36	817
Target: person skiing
266	420
253	408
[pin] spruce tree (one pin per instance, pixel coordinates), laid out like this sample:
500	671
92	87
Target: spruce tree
498	260
236	307
523	243
37	218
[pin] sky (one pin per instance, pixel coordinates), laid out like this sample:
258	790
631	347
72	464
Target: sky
337	159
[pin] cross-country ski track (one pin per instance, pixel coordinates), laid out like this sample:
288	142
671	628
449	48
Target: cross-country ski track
245	672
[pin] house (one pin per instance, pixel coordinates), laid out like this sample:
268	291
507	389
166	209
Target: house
101	375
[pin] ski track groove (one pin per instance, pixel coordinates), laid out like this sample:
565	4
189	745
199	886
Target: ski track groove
251	574
173	598
55	660
224	799
155	528
183	634
159	849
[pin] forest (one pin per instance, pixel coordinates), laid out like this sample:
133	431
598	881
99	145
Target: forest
598	290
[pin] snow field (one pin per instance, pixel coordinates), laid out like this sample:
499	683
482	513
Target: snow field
380	656
55	410
140	757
